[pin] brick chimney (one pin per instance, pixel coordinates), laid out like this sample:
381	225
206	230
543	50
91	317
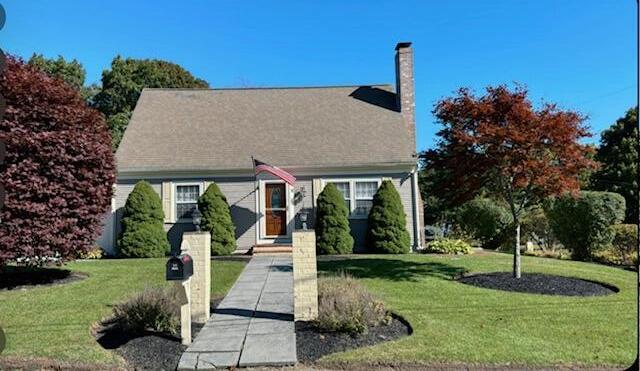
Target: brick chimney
405	92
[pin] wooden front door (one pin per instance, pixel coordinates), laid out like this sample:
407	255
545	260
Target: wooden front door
275	209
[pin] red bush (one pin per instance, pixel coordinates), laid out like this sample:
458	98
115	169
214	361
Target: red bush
59	169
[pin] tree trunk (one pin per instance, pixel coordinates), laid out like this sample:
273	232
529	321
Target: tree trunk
516	252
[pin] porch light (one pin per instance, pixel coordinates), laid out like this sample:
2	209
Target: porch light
196	218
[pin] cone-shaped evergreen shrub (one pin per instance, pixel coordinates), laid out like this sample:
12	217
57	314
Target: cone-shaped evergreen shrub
387	228
143	235
216	218
332	223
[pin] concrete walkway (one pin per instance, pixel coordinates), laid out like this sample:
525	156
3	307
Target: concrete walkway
253	325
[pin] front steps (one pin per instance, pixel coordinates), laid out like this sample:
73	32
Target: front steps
272	249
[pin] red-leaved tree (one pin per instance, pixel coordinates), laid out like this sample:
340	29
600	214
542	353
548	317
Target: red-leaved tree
499	142
59	168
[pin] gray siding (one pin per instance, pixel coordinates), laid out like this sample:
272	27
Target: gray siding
240	193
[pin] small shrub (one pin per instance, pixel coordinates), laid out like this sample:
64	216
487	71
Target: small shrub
154	309
344	305
449	246
582	224
487	220
95	253
387	225
623	249
332	223
216	218
625	242
143	234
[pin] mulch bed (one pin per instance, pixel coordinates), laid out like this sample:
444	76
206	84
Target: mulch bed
148	351
539	283
312	344
21	278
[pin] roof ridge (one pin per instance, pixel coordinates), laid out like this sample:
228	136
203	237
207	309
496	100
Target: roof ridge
269	87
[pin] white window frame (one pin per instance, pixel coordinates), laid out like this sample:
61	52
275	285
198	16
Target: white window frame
200	186
352	192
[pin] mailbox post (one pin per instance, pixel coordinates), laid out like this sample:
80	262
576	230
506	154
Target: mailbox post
179	270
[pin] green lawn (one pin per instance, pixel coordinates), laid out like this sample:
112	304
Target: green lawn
54	322
457	323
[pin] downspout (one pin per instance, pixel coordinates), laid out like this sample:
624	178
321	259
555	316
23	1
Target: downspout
416	213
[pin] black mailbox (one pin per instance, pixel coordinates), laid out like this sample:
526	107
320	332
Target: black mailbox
179	268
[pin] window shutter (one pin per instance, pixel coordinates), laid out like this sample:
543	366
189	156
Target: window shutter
317	188
167	202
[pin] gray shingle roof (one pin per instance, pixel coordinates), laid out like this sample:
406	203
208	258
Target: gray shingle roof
220	129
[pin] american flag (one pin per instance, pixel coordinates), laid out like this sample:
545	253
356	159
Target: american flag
260	166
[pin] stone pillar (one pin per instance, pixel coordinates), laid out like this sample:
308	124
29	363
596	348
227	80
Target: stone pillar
305	276
198	245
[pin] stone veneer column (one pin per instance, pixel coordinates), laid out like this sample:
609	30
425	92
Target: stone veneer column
305	276
198	245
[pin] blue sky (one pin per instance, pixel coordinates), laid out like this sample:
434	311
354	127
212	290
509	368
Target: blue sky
580	54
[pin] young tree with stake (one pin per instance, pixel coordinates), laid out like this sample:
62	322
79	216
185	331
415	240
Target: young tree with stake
499	142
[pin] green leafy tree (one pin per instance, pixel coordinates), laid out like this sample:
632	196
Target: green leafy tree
332	223
387	228
123	83
71	72
618	155
143	234
582	223
216	218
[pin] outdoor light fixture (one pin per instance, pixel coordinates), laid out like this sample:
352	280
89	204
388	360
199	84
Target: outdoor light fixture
196	218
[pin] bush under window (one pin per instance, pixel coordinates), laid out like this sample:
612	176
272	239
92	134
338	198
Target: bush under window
216	218
143	234
387	225
332	223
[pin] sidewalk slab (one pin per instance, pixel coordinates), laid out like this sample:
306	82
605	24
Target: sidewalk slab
253	325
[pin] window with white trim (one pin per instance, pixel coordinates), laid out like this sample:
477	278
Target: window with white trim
186	200
364	198
358	194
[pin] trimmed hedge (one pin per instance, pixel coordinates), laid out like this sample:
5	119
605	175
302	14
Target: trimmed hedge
448	246
582	223
624	246
143	234
387	228
332	223
216	218
486	220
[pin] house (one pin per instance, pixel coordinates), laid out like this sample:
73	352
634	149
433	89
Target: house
181	140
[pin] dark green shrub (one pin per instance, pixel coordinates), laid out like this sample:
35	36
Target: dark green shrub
155	309
344	305
332	223
582	223
448	246
143	234
216	218
387	228
486	220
